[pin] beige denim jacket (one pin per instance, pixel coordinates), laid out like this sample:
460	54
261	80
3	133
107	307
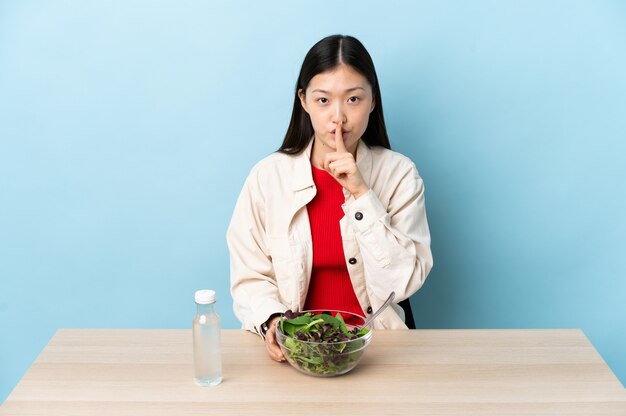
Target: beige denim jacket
385	230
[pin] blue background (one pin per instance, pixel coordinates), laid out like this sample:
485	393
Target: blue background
128	127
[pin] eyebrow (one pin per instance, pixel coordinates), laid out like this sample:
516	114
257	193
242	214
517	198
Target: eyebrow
348	90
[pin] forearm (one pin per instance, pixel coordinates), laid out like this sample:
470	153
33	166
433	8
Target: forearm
394	247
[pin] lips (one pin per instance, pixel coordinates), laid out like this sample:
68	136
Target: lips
342	131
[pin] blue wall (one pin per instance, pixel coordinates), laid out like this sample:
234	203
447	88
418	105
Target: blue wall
127	129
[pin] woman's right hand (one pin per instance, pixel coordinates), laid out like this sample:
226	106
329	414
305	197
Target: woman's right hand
270	341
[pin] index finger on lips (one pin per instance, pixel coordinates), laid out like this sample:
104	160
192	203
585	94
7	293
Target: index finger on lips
339	144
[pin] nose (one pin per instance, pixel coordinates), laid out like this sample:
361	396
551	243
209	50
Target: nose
339	114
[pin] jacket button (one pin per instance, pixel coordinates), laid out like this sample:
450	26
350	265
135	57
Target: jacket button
352	260
369	309
358	216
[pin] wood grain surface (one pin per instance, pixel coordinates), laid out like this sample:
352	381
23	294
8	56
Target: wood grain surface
430	372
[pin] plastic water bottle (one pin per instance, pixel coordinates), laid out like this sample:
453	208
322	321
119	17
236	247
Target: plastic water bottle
207	357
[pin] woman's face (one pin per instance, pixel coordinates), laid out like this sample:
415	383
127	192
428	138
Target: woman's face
341	94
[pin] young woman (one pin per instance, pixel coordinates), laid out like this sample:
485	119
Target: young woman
334	219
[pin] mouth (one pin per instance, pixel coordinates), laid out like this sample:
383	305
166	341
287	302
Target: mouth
342	131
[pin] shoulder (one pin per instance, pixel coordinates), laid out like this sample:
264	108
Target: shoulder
275	170
272	160
272	164
390	161
394	178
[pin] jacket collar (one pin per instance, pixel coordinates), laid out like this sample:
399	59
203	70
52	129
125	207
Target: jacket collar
303	178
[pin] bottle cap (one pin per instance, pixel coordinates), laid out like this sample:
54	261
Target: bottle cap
204	297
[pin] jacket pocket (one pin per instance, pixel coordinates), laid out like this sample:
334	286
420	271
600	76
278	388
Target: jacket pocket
380	256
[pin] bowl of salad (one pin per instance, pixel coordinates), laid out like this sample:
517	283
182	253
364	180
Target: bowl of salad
323	343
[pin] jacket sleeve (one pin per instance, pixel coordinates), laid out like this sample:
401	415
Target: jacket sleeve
253	284
394	240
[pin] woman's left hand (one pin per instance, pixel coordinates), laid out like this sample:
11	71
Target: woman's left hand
342	166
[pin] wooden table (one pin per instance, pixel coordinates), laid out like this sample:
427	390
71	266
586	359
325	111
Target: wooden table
430	372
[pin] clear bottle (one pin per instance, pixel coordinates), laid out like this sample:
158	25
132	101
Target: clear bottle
207	357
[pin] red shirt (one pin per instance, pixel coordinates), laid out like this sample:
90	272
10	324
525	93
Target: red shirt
330	286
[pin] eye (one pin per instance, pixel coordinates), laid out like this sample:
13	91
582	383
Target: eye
354	99
322	100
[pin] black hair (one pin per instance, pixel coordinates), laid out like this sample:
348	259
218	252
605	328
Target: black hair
326	55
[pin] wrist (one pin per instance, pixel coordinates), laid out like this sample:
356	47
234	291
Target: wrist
265	326
360	192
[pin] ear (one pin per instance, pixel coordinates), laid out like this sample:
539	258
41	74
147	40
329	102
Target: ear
373	104
302	99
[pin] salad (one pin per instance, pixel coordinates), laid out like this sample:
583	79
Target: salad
321	344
